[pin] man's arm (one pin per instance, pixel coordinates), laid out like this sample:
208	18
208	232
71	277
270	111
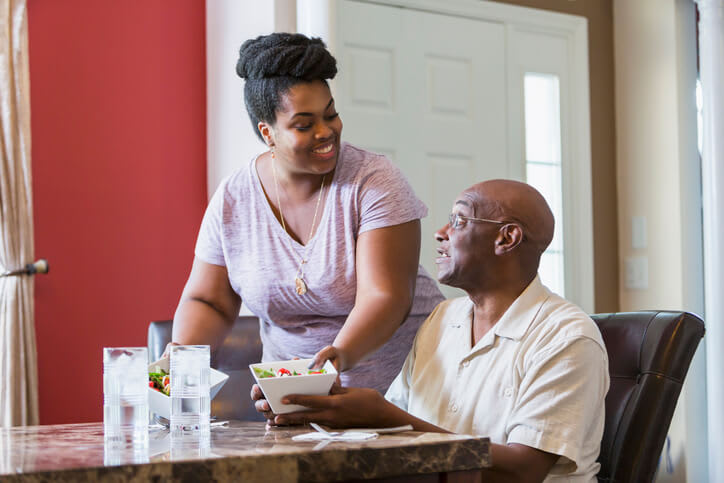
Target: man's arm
350	407
579	368
563	391
518	463
358	407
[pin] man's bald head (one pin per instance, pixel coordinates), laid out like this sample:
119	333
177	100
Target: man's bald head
513	201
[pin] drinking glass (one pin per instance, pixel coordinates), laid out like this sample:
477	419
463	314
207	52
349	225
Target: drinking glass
190	397
125	396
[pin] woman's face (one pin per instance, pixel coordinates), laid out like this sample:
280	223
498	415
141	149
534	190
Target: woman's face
306	134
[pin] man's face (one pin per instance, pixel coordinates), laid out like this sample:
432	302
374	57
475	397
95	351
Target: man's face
465	250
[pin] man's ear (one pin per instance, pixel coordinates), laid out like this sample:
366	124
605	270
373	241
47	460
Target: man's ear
509	237
267	132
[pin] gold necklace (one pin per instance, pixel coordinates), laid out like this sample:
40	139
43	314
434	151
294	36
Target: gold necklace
300	286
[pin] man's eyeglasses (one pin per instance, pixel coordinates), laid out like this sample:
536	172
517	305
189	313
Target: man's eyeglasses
456	220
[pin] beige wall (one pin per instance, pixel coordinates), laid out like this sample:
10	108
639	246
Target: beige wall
656	131
659	178
603	140
648	149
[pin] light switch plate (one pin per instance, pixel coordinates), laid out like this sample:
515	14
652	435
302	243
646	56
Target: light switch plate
639	237
636	273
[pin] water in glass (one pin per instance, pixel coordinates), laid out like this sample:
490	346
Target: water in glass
125	396
190	397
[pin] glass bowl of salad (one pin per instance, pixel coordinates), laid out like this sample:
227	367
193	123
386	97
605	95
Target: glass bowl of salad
280	378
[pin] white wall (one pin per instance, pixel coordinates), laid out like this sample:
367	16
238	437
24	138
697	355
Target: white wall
658	178
230	137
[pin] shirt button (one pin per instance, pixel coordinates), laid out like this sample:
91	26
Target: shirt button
508	392
454	408
466	363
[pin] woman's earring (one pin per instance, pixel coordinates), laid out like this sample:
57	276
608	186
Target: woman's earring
271	148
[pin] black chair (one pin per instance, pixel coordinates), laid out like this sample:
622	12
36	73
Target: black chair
649	354
240	348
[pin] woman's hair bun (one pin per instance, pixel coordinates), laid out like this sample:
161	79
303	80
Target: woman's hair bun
285	55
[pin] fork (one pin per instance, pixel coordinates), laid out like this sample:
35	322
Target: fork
324	431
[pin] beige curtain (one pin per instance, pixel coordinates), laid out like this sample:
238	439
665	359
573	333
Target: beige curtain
18	358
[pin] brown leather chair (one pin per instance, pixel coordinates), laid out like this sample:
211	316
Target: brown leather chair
649	354
240	348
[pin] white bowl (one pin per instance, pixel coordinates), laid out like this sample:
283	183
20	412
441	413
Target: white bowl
275	388
160	403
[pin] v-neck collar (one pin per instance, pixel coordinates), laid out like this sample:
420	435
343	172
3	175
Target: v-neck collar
281	232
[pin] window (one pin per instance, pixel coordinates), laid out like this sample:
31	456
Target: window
541	94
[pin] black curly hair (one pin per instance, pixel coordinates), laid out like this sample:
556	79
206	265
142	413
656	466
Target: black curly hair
272	64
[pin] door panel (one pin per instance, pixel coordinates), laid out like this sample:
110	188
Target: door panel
425	89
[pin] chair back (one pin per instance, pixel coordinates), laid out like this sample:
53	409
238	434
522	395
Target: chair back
649	354
240	348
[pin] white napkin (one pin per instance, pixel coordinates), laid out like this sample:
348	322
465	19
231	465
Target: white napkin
346	436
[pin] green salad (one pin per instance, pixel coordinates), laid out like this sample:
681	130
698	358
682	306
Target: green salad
263	373
160	381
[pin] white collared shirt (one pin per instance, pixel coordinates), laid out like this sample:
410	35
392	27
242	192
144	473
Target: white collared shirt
539	377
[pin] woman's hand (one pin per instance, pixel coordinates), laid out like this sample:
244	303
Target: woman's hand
167	350
261	404
333	354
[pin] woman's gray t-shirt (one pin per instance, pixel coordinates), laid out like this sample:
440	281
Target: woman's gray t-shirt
240	232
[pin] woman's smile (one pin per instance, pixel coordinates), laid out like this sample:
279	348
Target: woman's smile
326	152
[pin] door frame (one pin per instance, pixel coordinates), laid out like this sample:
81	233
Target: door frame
318	18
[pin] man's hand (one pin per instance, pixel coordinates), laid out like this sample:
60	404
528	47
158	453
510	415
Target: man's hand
261	404
344	407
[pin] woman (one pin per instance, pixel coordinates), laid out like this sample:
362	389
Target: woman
320	239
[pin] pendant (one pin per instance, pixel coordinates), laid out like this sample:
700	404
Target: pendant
300	286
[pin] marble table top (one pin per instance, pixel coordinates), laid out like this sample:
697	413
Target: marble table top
247	451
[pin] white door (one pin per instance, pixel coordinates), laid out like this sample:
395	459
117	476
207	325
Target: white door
425	90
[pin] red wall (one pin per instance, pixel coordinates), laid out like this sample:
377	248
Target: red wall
118	105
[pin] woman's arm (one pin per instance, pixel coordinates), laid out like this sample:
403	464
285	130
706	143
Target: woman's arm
208	306
386	263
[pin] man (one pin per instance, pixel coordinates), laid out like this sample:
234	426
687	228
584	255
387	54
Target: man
511	361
